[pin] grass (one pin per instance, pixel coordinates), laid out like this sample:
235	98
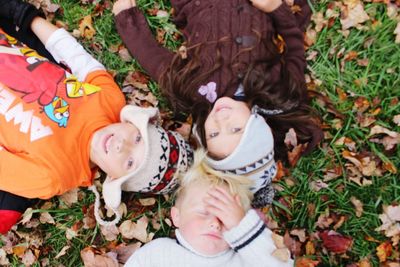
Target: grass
296	206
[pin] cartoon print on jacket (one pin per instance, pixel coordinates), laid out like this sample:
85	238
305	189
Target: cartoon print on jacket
36	79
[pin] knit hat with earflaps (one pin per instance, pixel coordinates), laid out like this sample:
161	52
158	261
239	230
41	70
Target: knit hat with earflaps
253	156
166	155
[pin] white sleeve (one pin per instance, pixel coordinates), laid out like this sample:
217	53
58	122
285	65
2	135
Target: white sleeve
252	240
64	48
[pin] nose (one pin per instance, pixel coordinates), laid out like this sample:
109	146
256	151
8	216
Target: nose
215	223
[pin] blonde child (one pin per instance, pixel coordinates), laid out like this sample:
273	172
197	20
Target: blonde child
215	226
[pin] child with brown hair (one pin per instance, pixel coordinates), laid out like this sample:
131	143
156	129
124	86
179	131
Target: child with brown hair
57	128
243	92
215	225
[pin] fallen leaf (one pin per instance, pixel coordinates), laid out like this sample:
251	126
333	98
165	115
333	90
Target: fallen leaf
86	28
310	248
397	33
377	129
336	242
70	197
110	233
182	50
353	15
62	252
147	201
365	263
125	251
278	240
90	259
124	54
45	217
290	138
306	262
300	233
339	223
383	251
318	185
28	258
295	154
396	119
281	254
136	230
358	205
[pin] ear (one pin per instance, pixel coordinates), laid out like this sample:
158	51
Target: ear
175	216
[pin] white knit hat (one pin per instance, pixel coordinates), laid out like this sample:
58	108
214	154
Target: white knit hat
166	155
253	156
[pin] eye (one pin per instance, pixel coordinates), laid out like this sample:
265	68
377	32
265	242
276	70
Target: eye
58	116
66	114
236	129
214	134
138	138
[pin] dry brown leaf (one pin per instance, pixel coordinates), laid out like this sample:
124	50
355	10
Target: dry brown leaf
397	33
318	185
324	221
396	119
19	250
71	233
136	230
295	154
306	262
365	263
358	205
26	217
3	258
150	201
353	15
124	54
339	223
278	240
70	197
281	254
62	252
300	233
86	28
290	138
45	217
90	259
377	129
28	258
110	233
125	251
319	20
332	174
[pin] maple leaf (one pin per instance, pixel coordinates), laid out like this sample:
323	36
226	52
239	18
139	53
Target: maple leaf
336	242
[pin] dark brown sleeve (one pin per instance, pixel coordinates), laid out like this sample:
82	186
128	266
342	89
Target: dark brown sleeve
136	35
286	25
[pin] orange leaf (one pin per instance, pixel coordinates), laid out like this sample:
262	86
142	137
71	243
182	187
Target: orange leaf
383	251
306	262
86	28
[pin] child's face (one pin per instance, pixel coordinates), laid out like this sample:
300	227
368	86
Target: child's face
225	125
117	149
199	228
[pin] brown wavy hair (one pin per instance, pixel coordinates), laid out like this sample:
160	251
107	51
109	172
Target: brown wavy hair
181	80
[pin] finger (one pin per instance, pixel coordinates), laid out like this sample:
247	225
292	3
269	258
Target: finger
221	194
215	202
213	210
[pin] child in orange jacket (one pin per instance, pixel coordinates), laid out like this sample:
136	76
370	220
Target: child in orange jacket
57	128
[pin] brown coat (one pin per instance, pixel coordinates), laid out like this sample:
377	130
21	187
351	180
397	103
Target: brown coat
235	23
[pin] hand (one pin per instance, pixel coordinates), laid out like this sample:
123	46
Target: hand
122	5
266	5
224	206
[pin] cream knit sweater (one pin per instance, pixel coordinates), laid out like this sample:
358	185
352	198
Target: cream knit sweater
251	245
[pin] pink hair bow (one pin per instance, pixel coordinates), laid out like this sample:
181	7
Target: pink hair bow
209	91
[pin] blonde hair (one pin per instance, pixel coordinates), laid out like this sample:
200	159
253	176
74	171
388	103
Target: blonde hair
200	172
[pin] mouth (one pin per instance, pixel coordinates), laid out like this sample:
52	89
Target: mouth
107	142
215	236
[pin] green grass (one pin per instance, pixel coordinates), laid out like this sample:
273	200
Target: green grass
383	82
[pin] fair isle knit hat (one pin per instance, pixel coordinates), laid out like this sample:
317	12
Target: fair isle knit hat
254	155
166	155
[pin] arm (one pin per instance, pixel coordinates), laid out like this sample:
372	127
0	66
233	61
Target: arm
287	26
64	48
253	242
136	35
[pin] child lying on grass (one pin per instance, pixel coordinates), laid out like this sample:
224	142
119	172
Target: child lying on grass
215	226
56	128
